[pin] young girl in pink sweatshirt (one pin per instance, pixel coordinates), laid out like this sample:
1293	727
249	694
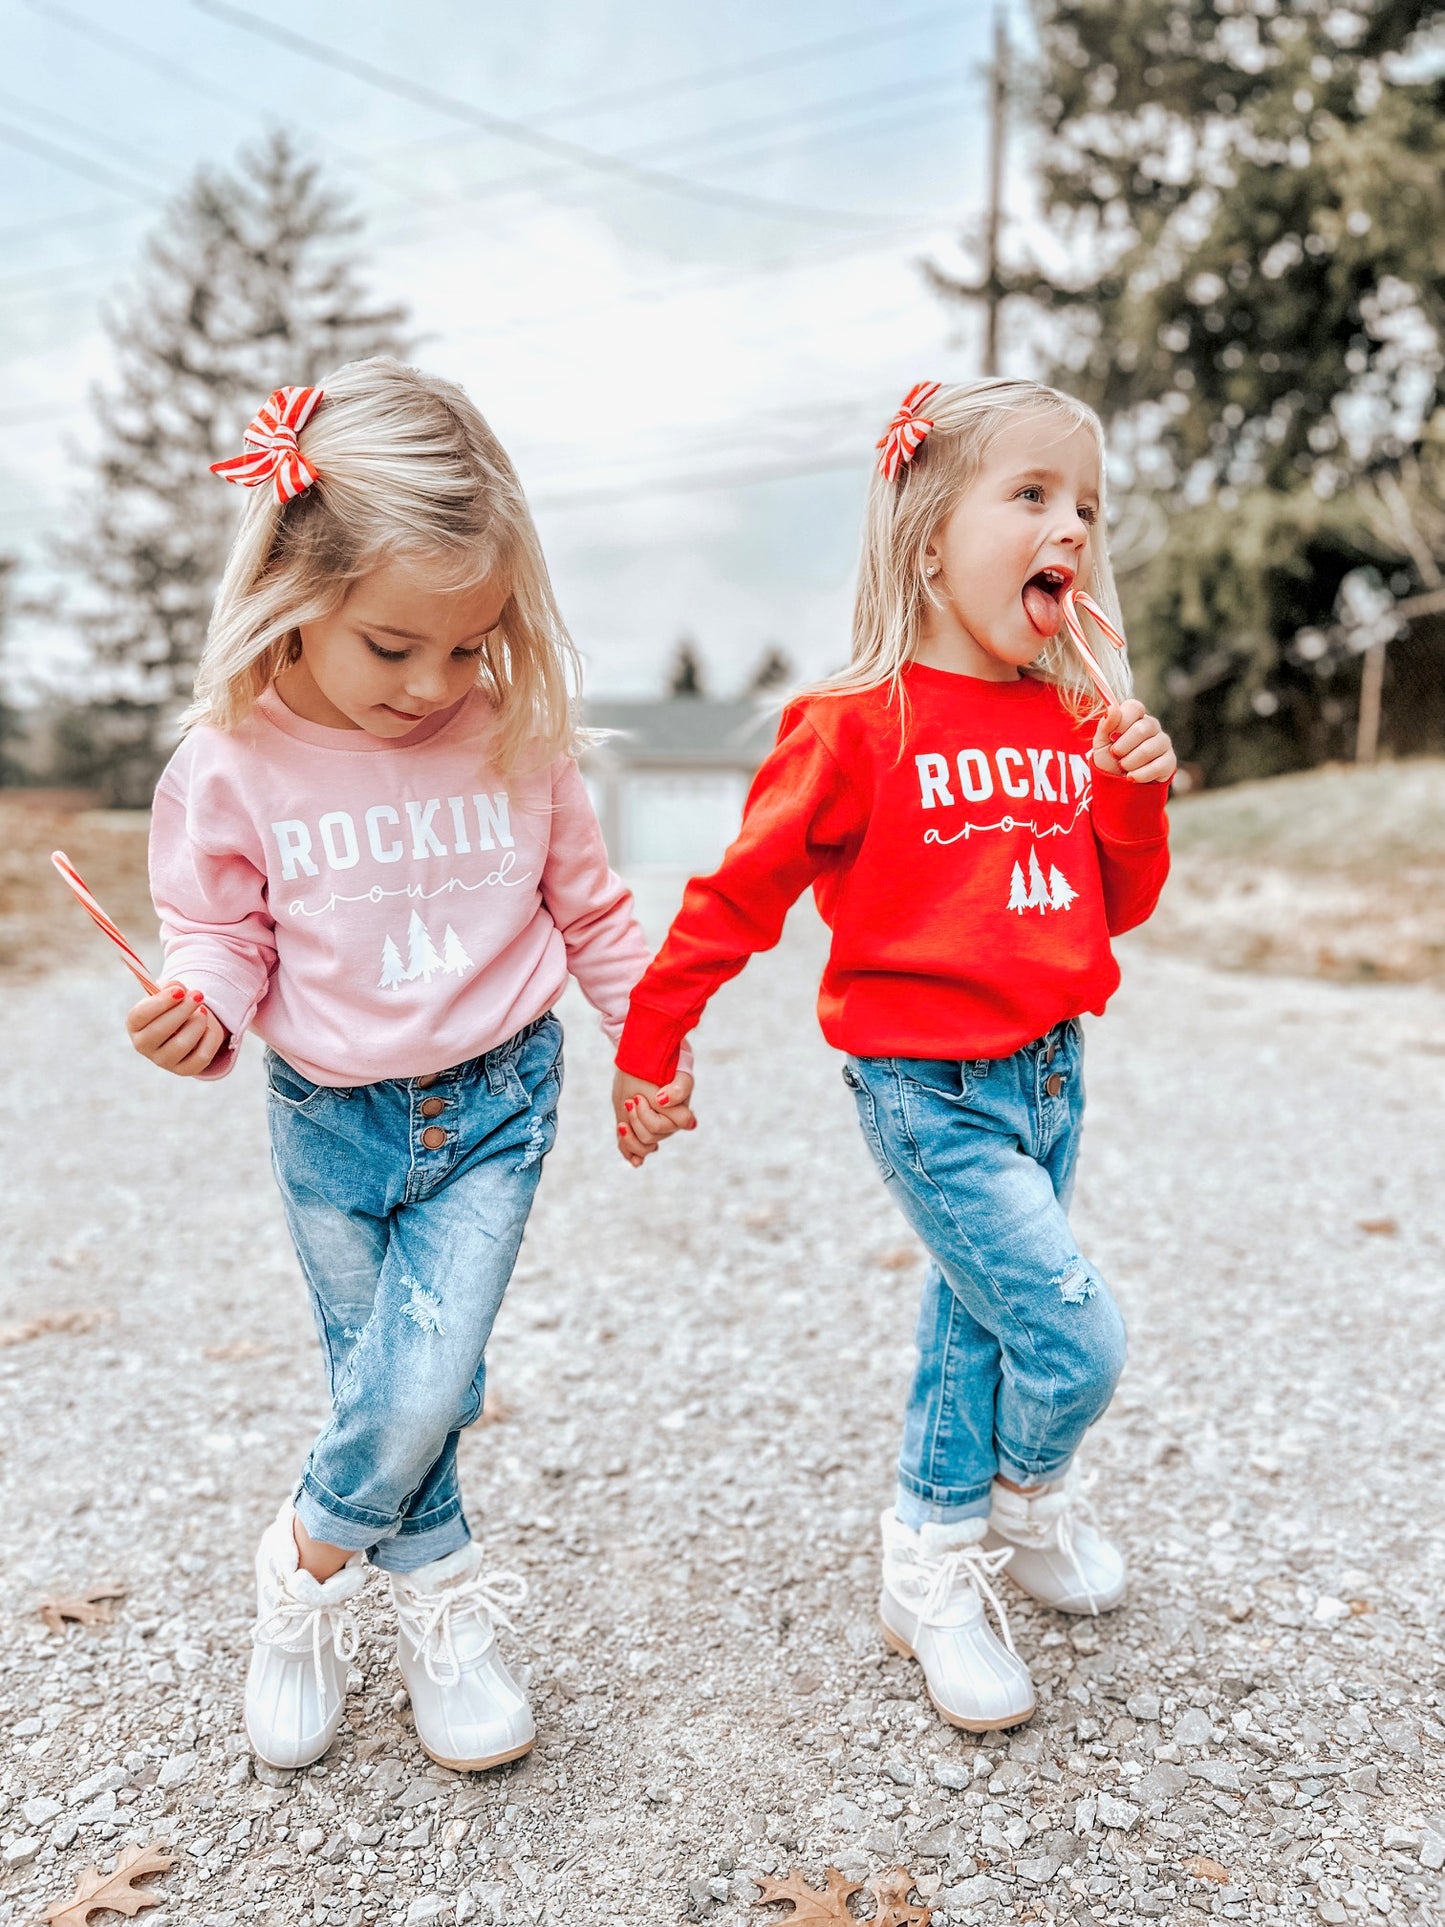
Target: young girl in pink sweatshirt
373	848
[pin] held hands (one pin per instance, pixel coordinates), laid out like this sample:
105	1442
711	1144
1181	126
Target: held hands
647	1113
1128	742
175	1030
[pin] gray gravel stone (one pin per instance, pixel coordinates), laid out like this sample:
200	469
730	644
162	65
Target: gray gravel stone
724	1528
1116	1813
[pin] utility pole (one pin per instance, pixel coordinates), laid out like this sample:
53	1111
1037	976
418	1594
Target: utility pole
994	284
991	289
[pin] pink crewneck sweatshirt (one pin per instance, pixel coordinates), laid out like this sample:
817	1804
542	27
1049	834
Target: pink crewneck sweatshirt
379	909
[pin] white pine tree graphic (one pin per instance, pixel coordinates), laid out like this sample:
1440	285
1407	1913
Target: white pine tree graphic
1061	891
455	961
422	959
393	971
1018	893
1038	898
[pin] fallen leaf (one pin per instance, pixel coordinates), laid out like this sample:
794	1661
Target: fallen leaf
1358	1606
895	1909
1380	1227
52	1321
242	1348
900	1259
827	1906
1203	1868
86	1608
97	1893
817	1906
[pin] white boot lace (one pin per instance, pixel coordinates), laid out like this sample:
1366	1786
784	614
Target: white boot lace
294	1625
1048	1525
427	1618
940	1579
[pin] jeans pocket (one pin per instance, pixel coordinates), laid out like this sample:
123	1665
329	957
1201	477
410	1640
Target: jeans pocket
533	1065
868	1120
292	1091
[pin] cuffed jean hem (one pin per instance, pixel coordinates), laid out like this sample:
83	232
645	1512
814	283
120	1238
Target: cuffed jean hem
915	1508
399	1548
1017	1473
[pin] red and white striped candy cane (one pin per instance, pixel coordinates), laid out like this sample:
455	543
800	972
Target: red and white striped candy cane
1076	606
72	876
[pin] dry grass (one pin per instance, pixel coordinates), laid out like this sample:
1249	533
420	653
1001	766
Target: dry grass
41	925
1339	872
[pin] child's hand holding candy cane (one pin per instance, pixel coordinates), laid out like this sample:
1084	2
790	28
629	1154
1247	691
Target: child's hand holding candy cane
1129	742
175	1030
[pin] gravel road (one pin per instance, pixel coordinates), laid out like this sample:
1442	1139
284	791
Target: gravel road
697	1382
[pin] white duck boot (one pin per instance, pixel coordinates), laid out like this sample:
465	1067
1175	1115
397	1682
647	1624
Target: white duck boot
470	1713
1058	1557
935	1582
302	1643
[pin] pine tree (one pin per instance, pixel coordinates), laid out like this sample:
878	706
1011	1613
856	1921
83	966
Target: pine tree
455	961
1061	892
685	678
393	971
1018	895
249	283
422	959
774	670
1038	884
1253	195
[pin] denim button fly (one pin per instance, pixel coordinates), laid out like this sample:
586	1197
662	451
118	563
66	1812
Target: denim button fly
433	1107
433	1138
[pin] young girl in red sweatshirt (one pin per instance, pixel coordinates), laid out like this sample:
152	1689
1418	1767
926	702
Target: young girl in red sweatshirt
976	824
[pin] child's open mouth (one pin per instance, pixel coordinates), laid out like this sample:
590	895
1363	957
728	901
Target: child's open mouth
1041	599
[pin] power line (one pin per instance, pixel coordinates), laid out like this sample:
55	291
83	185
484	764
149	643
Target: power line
76	163
19	104
785	57
150	61
138	53
701	483
39	280
575	152
685	147
93	217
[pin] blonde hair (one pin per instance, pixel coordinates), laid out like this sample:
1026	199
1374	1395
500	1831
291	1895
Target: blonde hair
407	470
903	515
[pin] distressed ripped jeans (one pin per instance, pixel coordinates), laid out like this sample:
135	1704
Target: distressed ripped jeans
1020	1344
407	1201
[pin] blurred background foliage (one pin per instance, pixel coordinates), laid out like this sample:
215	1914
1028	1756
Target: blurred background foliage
1255	193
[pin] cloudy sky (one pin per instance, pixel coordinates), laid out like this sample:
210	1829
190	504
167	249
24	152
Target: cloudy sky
689	370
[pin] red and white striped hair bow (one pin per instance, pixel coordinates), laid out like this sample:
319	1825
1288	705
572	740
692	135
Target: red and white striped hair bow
907	430
274	450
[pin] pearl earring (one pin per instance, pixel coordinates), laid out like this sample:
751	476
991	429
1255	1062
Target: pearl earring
931	571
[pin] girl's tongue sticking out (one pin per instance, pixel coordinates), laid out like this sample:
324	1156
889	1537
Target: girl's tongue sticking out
1041	602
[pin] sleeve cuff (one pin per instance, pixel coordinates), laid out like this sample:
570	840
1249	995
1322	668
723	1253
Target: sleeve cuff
228	1003
652	1045
1126	812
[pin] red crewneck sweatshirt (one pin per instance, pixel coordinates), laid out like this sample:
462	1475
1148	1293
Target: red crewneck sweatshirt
969	859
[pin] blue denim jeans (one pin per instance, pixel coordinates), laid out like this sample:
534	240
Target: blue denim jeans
1020	1345
407	1201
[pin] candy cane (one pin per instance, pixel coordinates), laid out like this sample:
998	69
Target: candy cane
1076	605
71	876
